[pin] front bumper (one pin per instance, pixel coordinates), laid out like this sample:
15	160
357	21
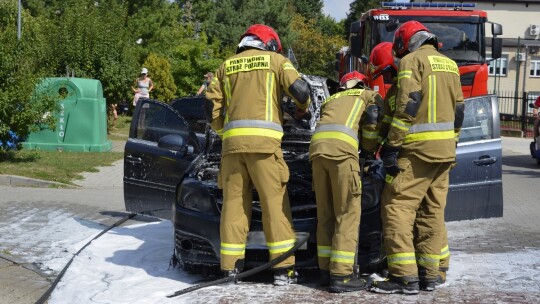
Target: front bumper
197	241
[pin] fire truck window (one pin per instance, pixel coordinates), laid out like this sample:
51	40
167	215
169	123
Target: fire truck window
381	35
456	36
449	36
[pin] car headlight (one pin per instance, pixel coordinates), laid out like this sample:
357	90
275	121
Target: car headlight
194	195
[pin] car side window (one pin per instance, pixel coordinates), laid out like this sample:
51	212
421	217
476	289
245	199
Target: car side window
478	120
156	120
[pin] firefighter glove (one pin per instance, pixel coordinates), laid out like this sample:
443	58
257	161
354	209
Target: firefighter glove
389	156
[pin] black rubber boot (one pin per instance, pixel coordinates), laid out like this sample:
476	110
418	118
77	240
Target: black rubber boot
395	285
324	278
441	278
427	285
347	283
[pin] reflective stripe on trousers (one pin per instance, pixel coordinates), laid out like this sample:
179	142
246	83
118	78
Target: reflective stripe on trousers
268	173
337	190
422	187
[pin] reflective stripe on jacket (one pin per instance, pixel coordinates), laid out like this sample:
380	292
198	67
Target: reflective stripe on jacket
429	134
246	93
337	133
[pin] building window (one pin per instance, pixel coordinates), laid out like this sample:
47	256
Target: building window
498	67
535	68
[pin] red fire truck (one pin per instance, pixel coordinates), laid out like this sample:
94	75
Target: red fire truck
459	28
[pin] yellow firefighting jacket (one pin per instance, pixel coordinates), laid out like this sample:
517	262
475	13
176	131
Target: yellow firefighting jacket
246	93
429	133
337	133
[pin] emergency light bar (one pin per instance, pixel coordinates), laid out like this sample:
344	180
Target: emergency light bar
426	4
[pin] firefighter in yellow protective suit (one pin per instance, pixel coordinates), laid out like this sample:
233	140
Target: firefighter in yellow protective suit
418	156
336	177
382	63
245	108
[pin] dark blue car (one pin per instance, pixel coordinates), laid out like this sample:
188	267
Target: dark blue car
172	159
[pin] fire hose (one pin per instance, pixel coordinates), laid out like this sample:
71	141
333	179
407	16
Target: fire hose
244	274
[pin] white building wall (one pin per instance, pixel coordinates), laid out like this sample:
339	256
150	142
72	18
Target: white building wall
516	19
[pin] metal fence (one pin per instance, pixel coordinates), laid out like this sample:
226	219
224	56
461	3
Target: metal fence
515	113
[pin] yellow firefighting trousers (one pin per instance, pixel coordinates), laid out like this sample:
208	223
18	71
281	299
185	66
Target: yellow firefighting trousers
444	261
413	217
337	189
269	173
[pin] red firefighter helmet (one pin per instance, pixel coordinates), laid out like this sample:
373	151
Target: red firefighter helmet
351	79
267	35
381	59
403	35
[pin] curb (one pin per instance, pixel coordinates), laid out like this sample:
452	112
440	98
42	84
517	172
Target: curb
21	181
28	266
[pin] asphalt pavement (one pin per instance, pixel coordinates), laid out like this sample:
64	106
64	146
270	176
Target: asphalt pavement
22	282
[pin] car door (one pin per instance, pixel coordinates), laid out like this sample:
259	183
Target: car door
158	152
476	181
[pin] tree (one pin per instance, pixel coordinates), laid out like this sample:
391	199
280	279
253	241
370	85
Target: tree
22	65
91	39
225	21
356	9
164	87
192	58
315	55
328	26
172	33
157	28
309	9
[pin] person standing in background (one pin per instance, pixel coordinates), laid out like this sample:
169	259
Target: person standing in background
207	80
114	111
143	86
536	131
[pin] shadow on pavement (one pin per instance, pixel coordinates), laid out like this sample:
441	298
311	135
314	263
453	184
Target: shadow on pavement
514	164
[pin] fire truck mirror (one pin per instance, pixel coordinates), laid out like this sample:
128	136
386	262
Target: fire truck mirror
496	48
356	38
496	29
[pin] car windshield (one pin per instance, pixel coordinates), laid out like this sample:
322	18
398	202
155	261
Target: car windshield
459	41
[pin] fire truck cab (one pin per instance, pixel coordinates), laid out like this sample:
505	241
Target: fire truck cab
460	31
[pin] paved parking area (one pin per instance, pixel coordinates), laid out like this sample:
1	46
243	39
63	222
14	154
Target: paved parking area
502	263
